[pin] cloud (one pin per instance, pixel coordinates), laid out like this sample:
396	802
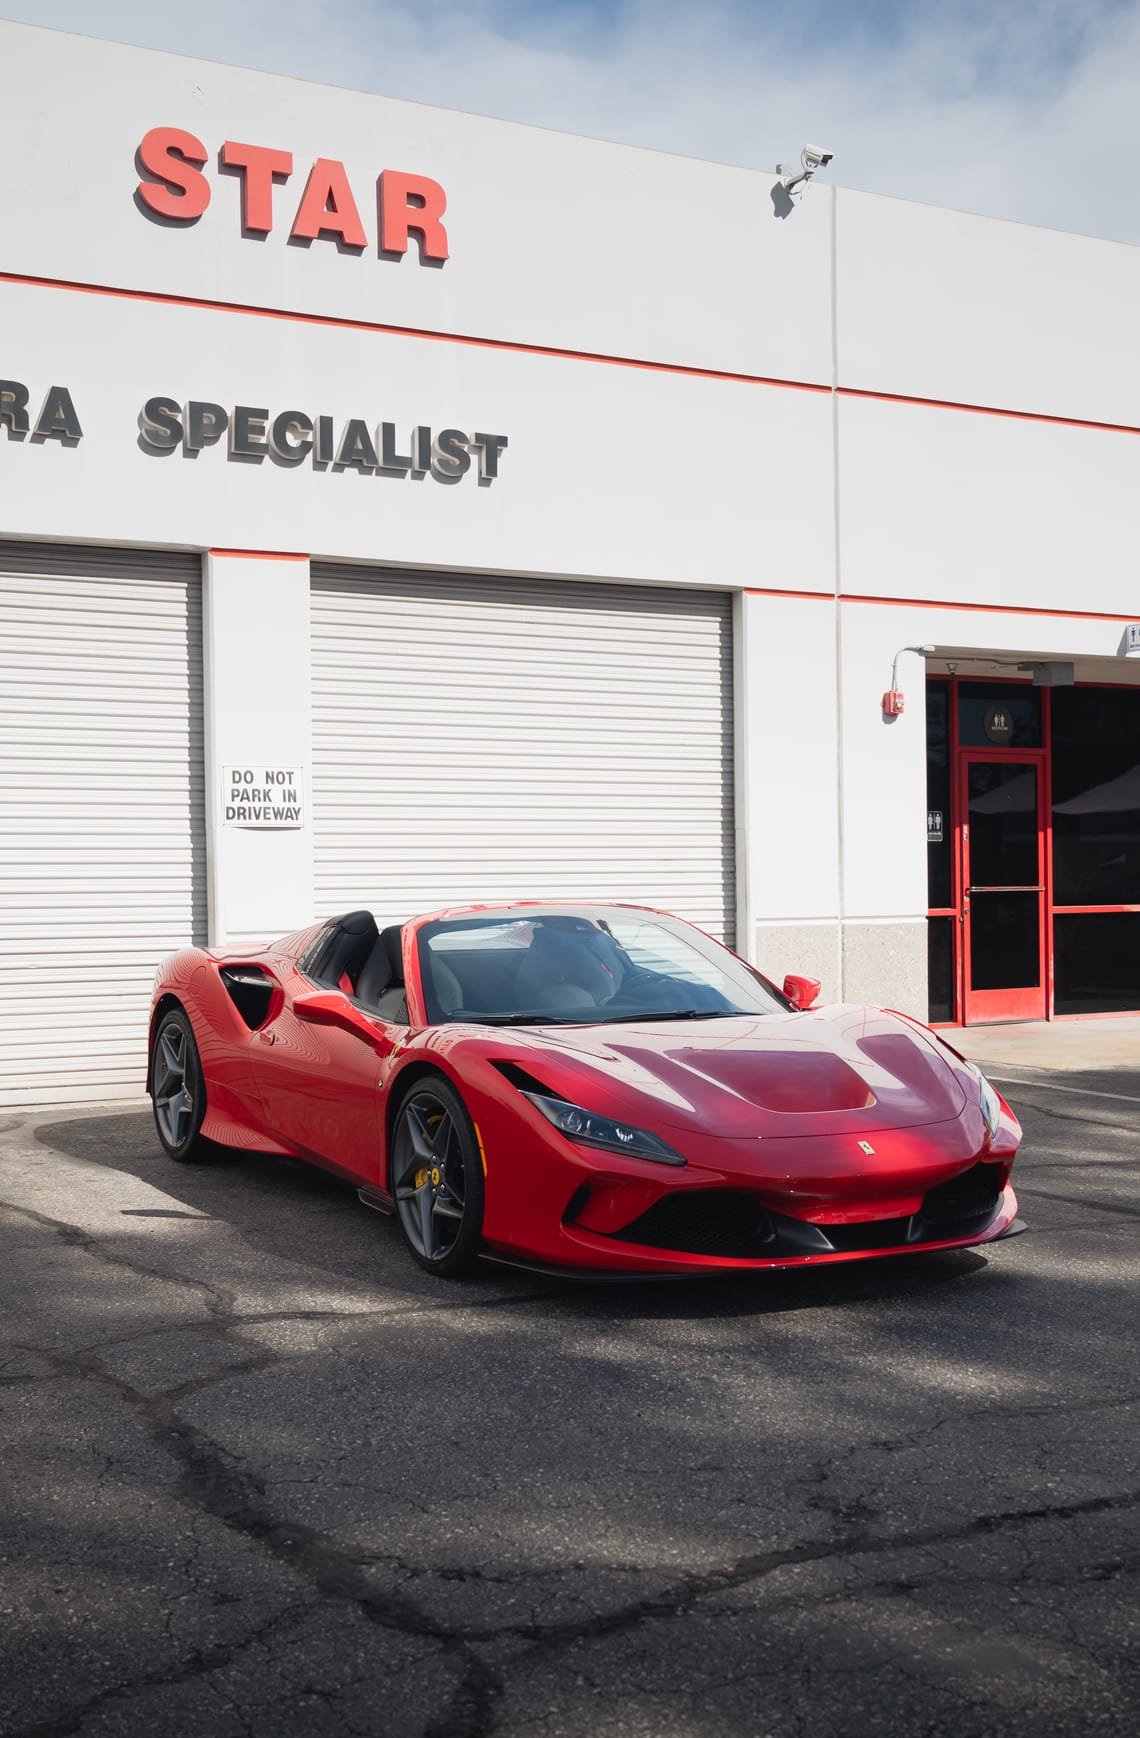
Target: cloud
1019	110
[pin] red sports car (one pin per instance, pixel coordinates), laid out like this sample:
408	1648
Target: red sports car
592	1087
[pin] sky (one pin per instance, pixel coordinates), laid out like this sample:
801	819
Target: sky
1023	109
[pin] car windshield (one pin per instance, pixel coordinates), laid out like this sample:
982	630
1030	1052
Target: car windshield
590	965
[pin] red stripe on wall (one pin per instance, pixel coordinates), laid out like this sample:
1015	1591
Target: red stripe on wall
987	410
258	555
343	324
932	603
506	344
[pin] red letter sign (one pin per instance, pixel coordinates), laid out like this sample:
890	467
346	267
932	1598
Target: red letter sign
327	206
259	168
412	202
167	153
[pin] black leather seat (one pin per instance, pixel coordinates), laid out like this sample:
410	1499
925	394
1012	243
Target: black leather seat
566	968
348	947
383	970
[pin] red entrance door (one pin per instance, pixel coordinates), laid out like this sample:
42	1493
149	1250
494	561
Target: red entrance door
1003	887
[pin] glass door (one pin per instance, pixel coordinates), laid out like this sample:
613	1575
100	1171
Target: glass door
1003	887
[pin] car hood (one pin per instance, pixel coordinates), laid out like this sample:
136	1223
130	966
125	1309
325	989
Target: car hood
835	1070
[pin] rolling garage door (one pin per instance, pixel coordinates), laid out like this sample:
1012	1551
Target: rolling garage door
102	843
481	739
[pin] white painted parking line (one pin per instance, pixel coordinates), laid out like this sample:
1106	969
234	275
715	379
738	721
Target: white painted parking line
1050	1086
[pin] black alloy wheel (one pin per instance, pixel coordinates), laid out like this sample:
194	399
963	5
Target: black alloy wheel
436	1175
177	1091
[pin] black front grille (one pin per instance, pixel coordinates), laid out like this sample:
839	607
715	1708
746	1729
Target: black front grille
736	1225
728	1222
964	1197
868	1234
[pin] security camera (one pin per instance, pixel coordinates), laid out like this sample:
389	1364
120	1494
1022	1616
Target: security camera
812	157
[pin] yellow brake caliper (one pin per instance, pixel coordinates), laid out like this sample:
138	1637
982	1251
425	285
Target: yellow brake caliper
426	1171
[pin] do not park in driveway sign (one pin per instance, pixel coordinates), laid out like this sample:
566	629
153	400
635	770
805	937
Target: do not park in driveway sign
262	796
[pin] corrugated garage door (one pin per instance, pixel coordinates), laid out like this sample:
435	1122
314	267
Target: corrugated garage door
102	843
481	739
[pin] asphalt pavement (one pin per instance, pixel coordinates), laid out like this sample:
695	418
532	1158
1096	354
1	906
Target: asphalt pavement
263	1477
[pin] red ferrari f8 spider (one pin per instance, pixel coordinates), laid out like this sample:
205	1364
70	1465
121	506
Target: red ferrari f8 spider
599	1088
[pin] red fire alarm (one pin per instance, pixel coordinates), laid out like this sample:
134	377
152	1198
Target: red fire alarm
893	703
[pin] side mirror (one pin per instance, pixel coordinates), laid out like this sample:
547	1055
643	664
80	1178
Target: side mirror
331	1008
801	992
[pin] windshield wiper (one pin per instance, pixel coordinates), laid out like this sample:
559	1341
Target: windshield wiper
524	1019
649	1014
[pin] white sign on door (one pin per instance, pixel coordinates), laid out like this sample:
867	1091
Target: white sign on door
263	796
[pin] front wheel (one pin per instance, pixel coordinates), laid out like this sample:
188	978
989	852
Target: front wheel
436	1175
177	1090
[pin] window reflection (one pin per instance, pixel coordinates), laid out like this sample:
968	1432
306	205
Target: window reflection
1096	796
1019	702
1096	963
940	968
938	794
1003	824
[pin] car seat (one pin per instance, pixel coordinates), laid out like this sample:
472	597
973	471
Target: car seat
383	972
568	968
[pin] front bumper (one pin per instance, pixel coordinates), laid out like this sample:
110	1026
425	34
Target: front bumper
586	1253
739	1205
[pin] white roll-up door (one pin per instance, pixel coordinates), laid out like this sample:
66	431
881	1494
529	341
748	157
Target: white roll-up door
102	813
481	739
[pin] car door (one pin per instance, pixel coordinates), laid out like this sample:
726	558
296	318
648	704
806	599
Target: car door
319	1069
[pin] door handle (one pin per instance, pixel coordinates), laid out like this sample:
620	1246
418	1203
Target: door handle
269	1037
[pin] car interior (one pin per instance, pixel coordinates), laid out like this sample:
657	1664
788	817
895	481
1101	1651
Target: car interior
364	961
570	964
554	964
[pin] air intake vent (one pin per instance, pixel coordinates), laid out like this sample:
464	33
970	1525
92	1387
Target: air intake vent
726	1222
251	991
520	1078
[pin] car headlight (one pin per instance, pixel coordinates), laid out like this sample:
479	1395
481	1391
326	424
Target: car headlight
591	1130
988	1099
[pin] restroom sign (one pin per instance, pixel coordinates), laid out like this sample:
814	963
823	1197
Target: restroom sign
263	796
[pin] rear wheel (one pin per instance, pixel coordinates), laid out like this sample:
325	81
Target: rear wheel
177	1091
436	1175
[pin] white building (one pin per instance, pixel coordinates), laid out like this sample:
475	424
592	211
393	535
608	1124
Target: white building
575	562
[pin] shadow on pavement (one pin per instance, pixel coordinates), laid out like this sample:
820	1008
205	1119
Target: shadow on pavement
296	1212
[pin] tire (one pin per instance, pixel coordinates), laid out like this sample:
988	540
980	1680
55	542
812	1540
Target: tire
435	1173
177	1090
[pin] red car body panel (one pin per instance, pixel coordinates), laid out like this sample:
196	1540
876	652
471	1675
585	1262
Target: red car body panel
836	1117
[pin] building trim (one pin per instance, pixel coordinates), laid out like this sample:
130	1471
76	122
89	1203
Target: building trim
345	323
935	603
686	370
258	554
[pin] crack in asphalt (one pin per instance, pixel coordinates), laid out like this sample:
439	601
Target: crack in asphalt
214	1483
218	1302
221	1305
1031	1409
1081	1201
194	1666
1072	1116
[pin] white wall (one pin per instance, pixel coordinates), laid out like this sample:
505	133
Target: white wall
951	506
554	240
610	472
884	760
941	304
255	625
787	694
701	469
